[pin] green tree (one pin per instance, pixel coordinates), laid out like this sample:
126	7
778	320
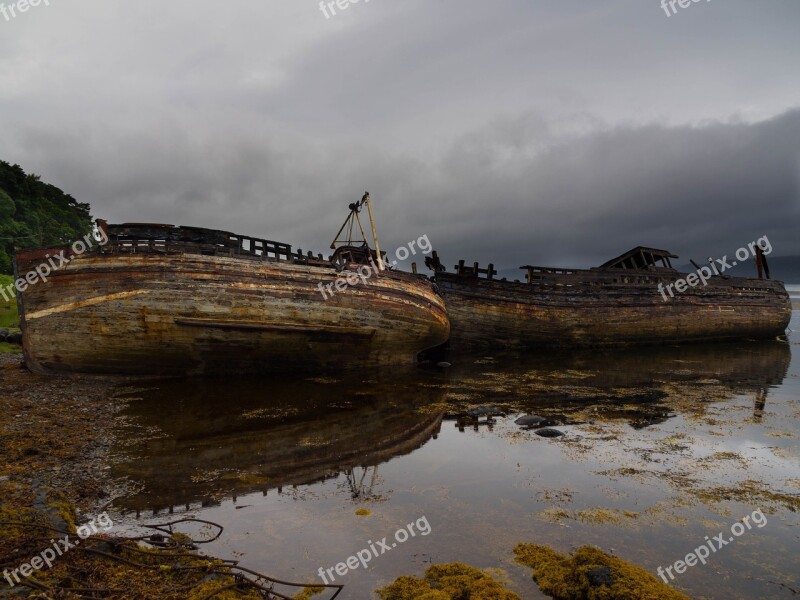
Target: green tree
36	214
7	207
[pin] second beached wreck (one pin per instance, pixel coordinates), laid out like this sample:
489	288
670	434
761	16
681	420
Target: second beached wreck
620	302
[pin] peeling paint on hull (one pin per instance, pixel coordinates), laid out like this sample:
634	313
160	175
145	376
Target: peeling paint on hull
183	313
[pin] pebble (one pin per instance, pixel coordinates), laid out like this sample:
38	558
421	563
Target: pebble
547	432
599	576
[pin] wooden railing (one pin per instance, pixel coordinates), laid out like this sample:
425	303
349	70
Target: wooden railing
167	239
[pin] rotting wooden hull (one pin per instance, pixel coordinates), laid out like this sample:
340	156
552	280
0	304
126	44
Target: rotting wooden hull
181	313
490	313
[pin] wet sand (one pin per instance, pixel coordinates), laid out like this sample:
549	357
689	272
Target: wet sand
56	433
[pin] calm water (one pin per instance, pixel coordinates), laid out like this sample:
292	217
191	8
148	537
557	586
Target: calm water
794	292
662	447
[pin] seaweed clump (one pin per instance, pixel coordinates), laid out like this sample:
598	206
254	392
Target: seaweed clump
450	581
591	574
310	592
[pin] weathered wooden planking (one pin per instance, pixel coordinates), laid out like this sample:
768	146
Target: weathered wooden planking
608	309
182	313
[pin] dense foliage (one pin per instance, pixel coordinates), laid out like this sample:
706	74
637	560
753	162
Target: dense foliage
36	214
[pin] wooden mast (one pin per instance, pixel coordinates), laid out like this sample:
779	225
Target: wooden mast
366	200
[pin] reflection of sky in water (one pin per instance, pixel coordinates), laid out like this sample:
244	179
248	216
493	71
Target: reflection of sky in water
710	424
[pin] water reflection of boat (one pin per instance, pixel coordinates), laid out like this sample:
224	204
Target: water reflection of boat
748	363
267	435
638	385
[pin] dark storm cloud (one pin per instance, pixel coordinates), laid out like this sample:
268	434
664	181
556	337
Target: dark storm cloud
697	191
514	192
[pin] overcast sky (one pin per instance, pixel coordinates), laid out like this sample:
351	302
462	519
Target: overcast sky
553	132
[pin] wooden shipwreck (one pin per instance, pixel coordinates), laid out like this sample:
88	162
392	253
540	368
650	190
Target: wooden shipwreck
159	299
617	303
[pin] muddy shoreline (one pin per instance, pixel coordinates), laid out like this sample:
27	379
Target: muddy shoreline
56	433
55	436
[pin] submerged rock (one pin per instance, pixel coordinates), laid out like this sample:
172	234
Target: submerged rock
485	411
600	576
548	432
530	421
443	364
534	421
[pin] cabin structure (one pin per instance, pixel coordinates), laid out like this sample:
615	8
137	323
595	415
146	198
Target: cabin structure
640	259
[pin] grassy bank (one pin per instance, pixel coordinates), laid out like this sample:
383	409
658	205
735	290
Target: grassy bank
9	318
8	309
